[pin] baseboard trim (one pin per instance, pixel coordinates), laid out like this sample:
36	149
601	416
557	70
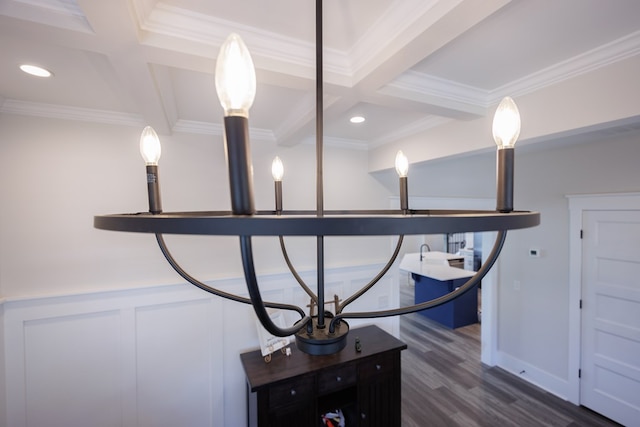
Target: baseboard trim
534	375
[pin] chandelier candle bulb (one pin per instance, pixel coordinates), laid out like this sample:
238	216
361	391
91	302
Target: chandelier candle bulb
277	171
506	129
236	88
150	149
402	167
235	77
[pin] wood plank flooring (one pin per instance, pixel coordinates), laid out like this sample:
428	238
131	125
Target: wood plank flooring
444	383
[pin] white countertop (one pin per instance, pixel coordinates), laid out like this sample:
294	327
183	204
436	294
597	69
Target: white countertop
434	265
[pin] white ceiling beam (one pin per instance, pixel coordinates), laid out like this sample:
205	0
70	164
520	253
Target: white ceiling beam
127	58
440	22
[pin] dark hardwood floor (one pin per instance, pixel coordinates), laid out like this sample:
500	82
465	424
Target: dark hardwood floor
444	383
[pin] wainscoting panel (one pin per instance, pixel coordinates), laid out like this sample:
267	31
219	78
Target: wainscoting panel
157	356
72	362
137	357
174	364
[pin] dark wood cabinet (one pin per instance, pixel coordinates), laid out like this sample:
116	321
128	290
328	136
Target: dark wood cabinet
296	390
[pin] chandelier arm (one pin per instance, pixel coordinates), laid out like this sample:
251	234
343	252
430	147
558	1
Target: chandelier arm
493	256
375	280
256	298
293	271
174	264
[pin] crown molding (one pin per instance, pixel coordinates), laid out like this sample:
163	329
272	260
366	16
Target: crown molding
425	85
196	127
179	23
602	56
215	129
64	112
418	86
343	143
64	14
161	19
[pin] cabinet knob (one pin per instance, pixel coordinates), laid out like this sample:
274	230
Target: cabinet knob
378	367
363	415
293	392
338	378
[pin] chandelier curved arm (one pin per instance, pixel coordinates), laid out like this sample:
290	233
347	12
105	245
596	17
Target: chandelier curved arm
174	264
295	274
375	280
256	298
491	259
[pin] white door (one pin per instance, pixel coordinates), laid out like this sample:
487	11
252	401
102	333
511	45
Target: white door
610	357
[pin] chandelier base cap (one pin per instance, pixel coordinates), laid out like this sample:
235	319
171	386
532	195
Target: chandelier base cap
320	342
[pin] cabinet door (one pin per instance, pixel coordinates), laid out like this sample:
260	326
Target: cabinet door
379	391
295	415
292	403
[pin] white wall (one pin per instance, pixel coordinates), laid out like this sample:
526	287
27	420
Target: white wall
85	303
603	166
56	175
533	298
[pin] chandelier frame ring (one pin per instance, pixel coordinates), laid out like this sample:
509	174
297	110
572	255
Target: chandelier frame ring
306	223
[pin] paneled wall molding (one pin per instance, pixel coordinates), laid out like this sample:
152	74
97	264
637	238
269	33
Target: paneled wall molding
154	356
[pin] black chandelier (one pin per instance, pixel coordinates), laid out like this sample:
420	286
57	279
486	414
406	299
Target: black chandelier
322	332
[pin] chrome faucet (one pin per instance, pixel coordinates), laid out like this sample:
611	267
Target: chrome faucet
428	250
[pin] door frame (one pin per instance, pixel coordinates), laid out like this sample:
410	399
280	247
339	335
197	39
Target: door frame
578	203
490	282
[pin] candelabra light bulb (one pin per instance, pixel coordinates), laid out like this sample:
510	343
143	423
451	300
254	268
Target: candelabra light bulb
277	169
150	146
402	164
506	123
235	77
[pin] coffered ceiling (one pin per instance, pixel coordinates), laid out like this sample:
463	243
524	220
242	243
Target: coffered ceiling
405	65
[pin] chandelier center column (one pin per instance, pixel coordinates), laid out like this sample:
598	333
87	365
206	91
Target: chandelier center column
319	158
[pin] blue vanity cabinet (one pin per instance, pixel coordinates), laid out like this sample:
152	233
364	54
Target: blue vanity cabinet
462	311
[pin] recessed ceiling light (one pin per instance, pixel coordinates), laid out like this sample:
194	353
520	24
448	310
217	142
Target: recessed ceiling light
34	70
357	119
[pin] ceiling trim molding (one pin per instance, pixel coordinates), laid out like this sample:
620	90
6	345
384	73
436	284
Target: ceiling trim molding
432	86
196	127
65	112
343	143
417	85
53	111
214	129
602	56
175	22
64	14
